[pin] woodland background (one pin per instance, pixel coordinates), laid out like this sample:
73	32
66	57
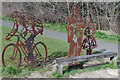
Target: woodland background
106	14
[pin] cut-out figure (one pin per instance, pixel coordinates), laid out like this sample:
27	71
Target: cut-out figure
89	42
28	24
74	25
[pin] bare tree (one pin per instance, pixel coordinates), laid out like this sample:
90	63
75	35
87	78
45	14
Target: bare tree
68	7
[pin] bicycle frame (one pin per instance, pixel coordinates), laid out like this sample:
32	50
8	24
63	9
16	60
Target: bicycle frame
22	46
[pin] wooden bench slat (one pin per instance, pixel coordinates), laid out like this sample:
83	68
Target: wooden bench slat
85	58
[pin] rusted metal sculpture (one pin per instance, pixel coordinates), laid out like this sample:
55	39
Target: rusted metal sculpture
89	42
74	26
29	25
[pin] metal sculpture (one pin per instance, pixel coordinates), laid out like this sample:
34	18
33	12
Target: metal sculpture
29	25
74	26
89	41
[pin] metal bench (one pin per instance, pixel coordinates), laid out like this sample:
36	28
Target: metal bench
63	61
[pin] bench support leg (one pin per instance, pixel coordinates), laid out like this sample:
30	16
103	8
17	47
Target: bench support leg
60	69
114	59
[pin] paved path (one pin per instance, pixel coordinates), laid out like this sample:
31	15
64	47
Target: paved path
107	73
62	36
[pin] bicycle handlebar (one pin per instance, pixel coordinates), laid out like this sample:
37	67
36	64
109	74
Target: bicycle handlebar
8	34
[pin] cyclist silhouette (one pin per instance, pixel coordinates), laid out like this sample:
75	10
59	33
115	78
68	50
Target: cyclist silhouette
28	24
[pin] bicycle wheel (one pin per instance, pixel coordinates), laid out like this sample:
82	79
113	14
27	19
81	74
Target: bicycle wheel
40	53
11	56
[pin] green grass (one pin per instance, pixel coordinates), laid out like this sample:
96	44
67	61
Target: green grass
55	27
89	69
10	71
6	18
56	48
105	37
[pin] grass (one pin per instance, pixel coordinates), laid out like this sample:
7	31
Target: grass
61	28
6	18
73	71
55	27
105	37
56	48
11	71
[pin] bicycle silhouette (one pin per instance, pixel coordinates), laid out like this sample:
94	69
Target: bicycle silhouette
12	53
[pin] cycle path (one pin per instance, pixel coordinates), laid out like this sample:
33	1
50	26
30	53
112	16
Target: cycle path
62	36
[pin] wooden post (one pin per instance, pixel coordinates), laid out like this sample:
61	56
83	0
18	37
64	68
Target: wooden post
60	69
115	60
